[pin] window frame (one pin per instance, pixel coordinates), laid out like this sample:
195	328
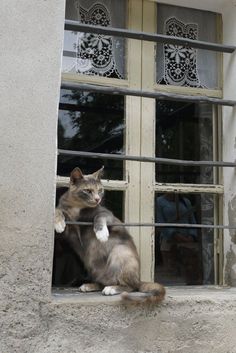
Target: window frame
150	186
139	182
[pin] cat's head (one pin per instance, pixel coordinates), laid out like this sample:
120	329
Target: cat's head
86	190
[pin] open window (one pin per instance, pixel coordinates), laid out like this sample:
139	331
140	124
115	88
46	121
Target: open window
112	121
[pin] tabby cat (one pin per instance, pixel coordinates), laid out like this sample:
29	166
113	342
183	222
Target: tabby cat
106	248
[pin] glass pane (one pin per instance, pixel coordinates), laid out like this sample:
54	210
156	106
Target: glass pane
114	201
68	270
184	255
184	131
90	53
91	122
186	66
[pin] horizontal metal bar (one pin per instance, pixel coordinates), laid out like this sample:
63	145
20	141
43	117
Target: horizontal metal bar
146	94
145	159
160	225
76	26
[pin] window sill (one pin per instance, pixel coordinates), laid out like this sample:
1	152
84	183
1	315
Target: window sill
195	294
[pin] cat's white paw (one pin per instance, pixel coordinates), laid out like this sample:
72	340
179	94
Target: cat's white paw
59	222
110	290
102	234
60	227
84	288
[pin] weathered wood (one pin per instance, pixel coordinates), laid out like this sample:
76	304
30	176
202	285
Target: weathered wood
146	94
108	184
76	26
189	188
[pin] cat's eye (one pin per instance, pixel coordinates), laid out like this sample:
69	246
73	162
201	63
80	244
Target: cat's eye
88	191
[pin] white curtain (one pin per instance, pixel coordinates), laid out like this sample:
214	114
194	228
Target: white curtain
185	66
95	54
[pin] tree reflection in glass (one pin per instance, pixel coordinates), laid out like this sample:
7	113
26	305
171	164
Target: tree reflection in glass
91	122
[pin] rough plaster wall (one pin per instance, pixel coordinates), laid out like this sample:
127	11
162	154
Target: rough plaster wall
31	36
193	323
229	145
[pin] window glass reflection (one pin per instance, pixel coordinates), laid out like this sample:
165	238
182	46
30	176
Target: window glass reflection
184	131
94	123
184	255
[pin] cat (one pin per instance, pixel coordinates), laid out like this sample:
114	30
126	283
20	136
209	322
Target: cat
105	247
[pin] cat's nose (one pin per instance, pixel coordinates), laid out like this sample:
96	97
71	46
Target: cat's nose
97	199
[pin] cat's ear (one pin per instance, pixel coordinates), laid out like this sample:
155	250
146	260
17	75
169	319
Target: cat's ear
98	174
76	175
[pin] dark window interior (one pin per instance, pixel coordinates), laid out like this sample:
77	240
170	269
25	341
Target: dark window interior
91	122
184	131
184	256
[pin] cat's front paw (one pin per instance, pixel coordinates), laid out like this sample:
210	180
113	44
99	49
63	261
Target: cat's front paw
102	234
59	221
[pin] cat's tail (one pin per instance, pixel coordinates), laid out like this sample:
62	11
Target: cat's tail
149	293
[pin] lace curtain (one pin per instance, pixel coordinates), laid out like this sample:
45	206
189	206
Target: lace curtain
186	66
95	54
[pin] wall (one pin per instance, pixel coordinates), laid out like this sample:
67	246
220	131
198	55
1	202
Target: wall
31	320
229	145
31	36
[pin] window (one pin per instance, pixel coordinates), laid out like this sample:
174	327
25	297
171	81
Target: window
186	131
139	126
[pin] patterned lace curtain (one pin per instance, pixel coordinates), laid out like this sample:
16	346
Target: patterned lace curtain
95	54
181	65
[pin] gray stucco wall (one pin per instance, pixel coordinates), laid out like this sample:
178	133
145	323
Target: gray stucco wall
31	37
31	320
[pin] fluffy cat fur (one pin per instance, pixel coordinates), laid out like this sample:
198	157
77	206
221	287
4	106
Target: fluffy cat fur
107	251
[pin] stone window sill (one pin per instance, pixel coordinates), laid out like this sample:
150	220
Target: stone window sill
173	294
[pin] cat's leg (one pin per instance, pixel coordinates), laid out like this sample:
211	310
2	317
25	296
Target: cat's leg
90	287
122	271
59	221
100	226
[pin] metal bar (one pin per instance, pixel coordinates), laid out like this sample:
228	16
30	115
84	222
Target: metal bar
146	94
159	225
145	159
76	26
77	107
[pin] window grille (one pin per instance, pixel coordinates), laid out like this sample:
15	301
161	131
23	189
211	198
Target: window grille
81	27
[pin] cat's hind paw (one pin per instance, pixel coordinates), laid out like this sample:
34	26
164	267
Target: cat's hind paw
111	290
102	234
59	221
